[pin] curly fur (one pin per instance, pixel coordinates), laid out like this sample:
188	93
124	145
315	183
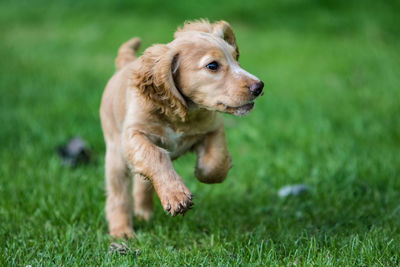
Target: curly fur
155	82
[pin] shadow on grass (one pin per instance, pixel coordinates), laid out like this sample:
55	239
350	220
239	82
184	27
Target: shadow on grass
238	216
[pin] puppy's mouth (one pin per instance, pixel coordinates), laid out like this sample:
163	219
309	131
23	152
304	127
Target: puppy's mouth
240	110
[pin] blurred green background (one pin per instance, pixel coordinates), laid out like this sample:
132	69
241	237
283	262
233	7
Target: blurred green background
329	119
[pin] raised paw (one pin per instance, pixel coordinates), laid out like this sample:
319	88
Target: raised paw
175	197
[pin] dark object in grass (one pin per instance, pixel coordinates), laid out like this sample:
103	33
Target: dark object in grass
74	153
122	248
293	190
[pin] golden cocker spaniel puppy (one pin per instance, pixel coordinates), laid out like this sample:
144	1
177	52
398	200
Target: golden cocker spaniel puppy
161	105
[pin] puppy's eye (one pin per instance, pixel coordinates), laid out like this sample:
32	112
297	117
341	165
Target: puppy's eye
213	66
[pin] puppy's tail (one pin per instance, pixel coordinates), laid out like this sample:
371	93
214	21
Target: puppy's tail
126	52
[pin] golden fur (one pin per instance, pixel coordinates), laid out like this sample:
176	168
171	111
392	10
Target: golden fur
163	104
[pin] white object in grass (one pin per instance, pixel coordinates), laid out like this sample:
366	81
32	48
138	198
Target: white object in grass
293	190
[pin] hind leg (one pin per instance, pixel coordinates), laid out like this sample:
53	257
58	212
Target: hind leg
119	200
142	197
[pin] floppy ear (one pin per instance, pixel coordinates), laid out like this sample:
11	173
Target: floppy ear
155	80
224	30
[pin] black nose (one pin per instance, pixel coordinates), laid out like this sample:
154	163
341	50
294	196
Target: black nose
256	88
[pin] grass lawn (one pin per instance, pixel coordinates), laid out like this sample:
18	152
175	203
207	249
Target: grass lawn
329	119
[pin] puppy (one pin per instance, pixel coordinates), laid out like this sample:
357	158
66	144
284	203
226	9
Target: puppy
161	105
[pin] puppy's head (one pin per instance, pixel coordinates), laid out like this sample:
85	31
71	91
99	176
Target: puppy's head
200	67
208	72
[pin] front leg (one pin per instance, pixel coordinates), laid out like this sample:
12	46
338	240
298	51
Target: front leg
119	200
155	164
213	159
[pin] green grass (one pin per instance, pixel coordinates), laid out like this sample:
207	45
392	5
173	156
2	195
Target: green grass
329	119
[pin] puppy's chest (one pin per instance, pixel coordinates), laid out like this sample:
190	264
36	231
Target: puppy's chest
178	142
